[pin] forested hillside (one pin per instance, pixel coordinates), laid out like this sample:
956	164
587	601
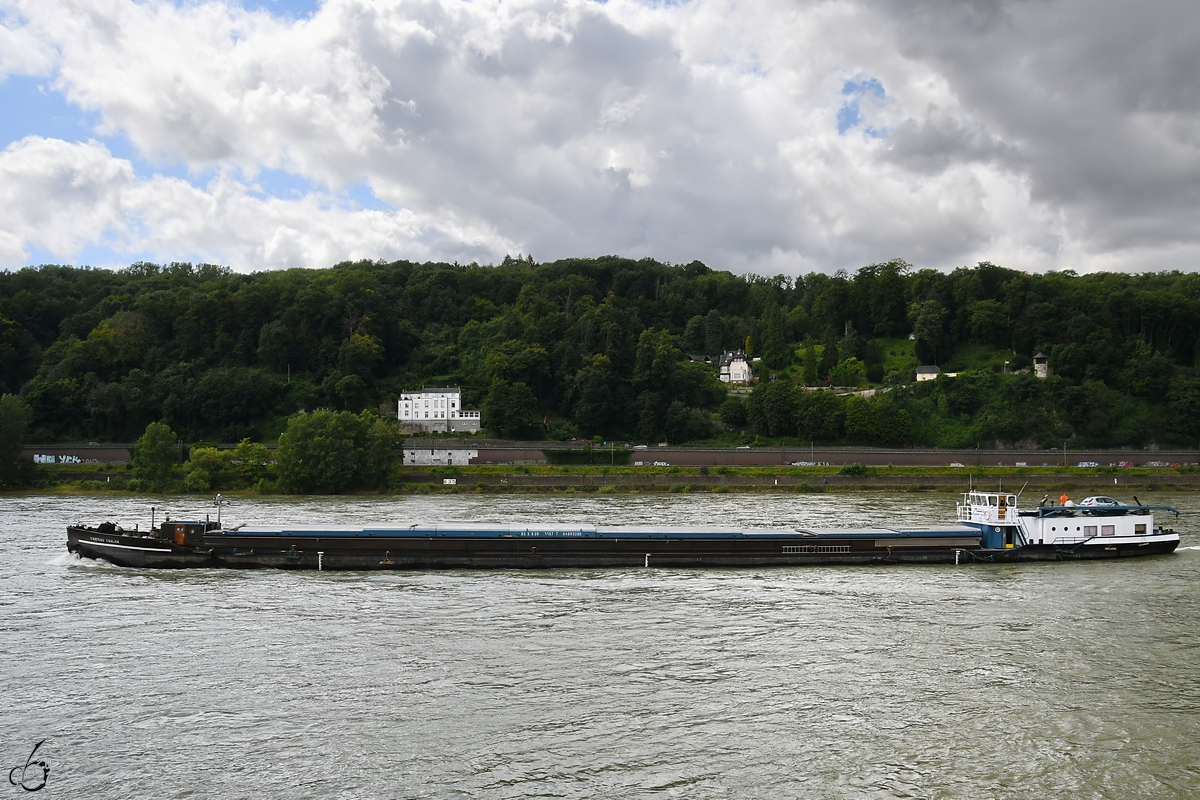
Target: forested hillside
599	347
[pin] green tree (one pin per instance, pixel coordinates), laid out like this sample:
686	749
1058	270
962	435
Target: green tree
714	333
275	346
885	295
811	364
15	469
18	354
250	461
519	362
154	456
776	354
650	411
510	409
328	452
360	355
819	416
381	447
206	469
696	384
771	409
693	335
927	318
685	424
852	344
733	412
210	468
891	421
848	372
655	360
861	423
596	395
988	323
829	355
1147	372
1184	402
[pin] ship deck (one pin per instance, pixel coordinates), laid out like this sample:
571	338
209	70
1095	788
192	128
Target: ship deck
492	531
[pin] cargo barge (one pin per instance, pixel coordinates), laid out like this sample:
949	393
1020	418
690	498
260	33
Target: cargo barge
990	528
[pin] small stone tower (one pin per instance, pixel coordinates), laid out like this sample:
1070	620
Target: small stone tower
1041	365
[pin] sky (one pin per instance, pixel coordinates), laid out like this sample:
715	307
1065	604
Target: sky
764	136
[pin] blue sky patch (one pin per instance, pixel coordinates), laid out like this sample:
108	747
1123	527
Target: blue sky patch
850	115
282	184
363	196
289	9
37	109
290	186
34	108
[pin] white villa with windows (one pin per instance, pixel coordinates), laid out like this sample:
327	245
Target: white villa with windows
434	409
735	367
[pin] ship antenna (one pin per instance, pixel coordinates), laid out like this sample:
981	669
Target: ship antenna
218	500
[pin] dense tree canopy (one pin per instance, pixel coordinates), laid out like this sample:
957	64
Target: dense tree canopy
154	456
328	452
15	469
600	346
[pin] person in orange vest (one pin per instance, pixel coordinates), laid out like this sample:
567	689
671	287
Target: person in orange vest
1062	501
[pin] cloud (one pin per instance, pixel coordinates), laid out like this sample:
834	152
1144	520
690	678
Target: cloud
766	136
22	52
1092	104
62	196
59	195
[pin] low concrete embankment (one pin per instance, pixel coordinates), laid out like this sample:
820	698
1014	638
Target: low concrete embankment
691	481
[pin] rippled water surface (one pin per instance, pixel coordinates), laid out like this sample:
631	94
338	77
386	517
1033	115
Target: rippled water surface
981	681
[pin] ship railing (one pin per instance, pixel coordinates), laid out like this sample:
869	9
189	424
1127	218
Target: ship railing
1101	511
1074	539
988	515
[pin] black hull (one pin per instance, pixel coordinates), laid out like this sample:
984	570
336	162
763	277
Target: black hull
1089	552
134	551
348	553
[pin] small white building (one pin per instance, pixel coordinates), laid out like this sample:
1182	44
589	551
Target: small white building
434	409
930	373
735	367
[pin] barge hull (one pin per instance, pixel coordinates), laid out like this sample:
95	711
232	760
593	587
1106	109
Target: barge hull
216	550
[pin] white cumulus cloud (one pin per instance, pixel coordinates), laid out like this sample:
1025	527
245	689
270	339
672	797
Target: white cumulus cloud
773	136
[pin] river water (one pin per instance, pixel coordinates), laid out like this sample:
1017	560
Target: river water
981	681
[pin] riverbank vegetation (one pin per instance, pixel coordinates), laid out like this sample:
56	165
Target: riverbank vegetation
247	469
600	348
